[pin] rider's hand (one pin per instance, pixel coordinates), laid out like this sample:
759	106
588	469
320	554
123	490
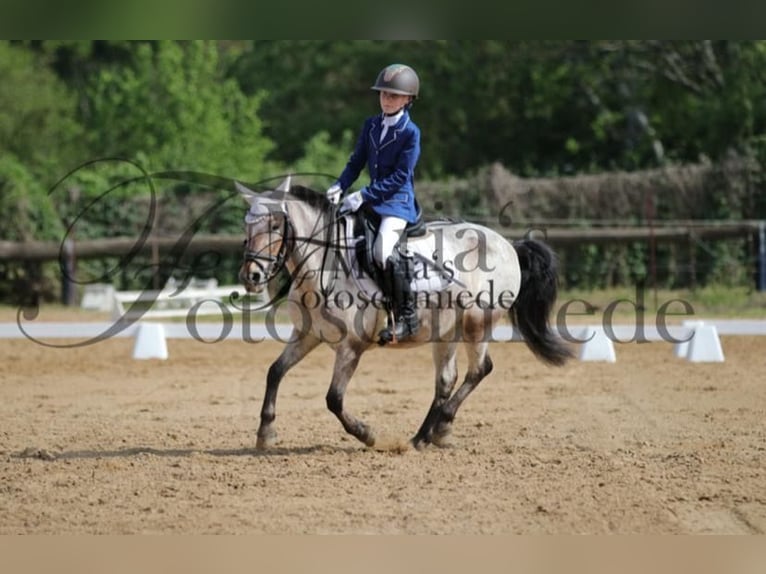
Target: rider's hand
351	202
333	194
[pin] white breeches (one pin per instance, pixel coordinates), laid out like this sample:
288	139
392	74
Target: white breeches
388	235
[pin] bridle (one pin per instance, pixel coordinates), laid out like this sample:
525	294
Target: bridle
270	265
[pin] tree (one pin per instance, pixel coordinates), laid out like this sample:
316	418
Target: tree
539	108
27	214
37	114
174	105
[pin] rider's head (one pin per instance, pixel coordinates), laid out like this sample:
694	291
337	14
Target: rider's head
398	86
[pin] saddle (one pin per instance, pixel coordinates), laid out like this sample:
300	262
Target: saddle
366	224
421	260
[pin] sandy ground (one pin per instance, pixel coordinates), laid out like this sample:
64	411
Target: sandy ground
92	441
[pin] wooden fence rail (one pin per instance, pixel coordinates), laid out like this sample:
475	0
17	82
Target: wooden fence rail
556	236
115	247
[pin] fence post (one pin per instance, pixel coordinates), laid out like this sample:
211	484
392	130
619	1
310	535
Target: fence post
760	280
68	272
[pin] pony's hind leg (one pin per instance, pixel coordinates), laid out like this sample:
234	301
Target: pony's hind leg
346	361
445	366
479	366
290	356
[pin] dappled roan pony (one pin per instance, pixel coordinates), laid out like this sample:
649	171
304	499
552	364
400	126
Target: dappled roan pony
487	278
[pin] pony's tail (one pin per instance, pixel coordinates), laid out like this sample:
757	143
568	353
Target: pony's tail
531	311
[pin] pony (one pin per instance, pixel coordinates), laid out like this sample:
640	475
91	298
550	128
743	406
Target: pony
470	278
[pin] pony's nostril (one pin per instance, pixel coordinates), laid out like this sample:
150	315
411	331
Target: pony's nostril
255	277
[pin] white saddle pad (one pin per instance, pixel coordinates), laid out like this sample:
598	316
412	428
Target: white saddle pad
431	274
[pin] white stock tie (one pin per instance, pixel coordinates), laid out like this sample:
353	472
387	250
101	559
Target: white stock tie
389	121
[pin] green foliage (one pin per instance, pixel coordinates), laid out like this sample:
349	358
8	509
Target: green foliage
27	214
540	108
253	110
37	123
323	158
174	105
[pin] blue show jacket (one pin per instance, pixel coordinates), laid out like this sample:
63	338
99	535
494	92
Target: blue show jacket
391	164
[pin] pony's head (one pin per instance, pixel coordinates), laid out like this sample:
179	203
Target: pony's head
267	231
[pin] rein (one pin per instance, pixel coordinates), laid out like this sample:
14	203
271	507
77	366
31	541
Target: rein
270	265
274	263
333	224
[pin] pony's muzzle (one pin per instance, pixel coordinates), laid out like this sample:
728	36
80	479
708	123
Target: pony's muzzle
250	276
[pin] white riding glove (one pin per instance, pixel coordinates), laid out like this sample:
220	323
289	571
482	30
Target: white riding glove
333	194
351	202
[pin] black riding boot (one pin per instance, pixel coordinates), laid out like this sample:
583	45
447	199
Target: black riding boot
403	301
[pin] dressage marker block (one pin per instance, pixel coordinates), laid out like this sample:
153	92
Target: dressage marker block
150	342
705	346
681	350
597	346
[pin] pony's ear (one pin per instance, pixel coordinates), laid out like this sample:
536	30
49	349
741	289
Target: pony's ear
249	195
261	203
285	185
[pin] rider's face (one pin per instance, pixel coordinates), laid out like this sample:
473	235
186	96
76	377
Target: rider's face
391	103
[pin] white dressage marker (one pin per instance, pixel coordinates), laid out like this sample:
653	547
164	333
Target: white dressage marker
597	346
705	346
150	342
681	350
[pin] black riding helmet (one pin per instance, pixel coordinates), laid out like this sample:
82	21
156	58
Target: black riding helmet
398	79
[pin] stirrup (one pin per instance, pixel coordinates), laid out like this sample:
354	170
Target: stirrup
388	333
409	328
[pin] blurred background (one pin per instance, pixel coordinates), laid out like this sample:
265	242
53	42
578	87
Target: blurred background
642	162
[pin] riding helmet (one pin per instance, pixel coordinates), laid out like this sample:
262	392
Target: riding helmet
398	79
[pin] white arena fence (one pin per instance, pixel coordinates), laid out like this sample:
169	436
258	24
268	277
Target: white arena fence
204	296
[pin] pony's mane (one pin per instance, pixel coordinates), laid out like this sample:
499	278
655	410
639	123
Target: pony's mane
310	197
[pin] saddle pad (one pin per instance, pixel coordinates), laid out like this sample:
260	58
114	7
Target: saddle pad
430	275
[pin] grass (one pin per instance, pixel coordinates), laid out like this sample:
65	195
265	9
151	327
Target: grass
710	302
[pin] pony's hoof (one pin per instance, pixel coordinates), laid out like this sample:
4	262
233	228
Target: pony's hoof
369	439
445	441
418	443
266	439
442	436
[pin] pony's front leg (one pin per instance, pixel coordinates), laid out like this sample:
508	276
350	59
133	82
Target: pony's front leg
346	361
290	356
